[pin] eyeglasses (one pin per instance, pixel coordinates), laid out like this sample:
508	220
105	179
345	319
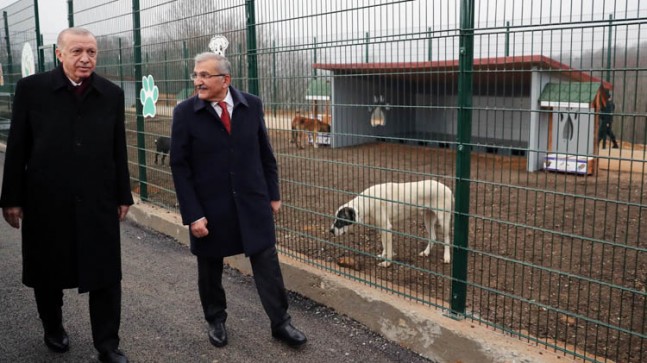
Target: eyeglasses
204	75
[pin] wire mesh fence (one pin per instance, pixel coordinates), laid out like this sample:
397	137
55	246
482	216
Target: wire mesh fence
21	39
508	103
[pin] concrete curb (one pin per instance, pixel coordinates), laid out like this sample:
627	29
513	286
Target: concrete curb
419	328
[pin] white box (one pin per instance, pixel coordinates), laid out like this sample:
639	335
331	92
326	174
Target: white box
577	164
323	138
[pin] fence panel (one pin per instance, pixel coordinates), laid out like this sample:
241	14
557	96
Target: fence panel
18	53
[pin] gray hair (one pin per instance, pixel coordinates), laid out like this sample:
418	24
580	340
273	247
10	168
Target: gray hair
222	63
75	31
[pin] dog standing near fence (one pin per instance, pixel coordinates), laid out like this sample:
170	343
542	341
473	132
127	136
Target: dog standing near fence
383	204
162	147
301	125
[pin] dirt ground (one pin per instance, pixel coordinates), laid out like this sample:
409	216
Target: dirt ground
555	257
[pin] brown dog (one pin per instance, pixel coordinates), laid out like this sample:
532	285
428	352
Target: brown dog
301	125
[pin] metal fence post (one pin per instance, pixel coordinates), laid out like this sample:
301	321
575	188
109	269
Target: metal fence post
274	78
463	155
70	13
507	39
141	140
314	57
252	65
187	70
430	34
368	40
609	47
40	55
54	55
9	56
121	65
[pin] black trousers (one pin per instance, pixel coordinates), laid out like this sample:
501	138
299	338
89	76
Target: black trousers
105	313
605	131
268	280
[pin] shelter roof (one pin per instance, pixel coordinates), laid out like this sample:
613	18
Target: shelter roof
571	94
499	69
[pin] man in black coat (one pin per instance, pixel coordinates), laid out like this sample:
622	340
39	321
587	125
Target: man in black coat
226	180
606	121
66	177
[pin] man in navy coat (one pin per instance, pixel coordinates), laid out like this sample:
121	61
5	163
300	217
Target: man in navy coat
66	177
226	180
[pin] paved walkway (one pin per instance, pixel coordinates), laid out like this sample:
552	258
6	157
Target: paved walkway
162	319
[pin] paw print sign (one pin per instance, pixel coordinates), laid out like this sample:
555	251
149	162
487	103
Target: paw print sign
148	96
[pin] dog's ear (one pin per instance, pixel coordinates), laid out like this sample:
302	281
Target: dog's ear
352	215
347	213
345	217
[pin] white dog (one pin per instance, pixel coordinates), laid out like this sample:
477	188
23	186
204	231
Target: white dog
383	204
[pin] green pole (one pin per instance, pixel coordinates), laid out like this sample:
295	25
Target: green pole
429	45
166	79
240	62
608	77
187	70
70	13
252	65
54	55
461	218
507	38
40	53
366	48
8	42
141	140
121	66
314	60
274	77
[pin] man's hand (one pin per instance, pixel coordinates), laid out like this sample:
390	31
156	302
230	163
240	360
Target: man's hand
12	215
276	205
199	228
123	210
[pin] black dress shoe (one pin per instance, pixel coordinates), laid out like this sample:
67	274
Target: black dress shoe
218	334
113	356
57	340
290	335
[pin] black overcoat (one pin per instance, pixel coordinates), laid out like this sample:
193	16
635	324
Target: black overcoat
228	178
66	166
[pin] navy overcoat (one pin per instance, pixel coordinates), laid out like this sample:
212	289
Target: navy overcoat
228	178
66	166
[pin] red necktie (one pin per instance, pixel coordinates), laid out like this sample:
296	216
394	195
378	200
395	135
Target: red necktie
224	116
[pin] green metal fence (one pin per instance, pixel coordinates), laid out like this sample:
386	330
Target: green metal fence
19	41
503	101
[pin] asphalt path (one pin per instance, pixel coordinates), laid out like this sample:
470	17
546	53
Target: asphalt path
161	316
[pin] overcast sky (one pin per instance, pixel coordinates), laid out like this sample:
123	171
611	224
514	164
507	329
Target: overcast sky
53	17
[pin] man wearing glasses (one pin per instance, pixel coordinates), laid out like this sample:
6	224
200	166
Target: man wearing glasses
226	180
